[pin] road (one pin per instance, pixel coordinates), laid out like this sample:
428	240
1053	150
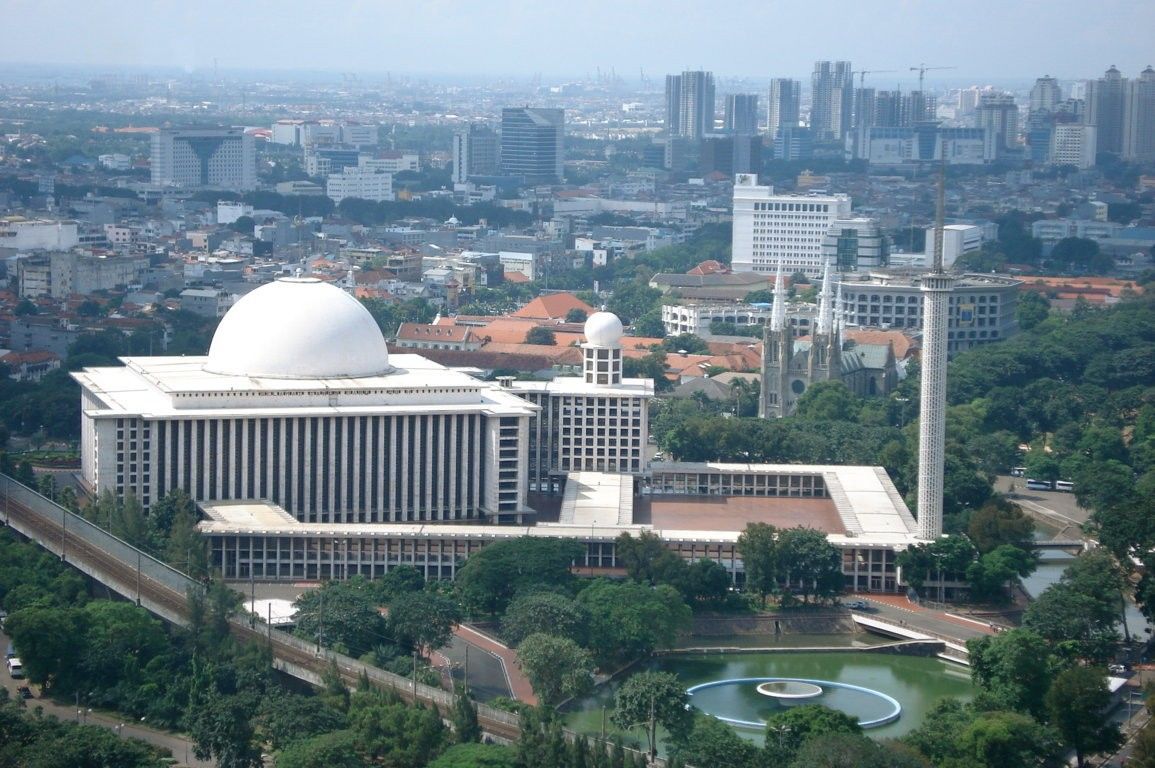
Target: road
177	744
1057	509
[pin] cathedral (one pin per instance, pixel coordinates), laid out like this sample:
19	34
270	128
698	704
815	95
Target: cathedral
790	365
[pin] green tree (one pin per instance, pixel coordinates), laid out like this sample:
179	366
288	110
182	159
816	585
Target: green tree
1078	704
576	315
288	718
999	739
340	615
828	401
548	612
649	325
1032	308
686	342
423	621
1013	670
334	749
1000	522
652	699
476	756
221	730
630	620
758	545
647	558
992	576
46	640
491	578
542	336
713	743
393	734
557	667
466	727
399	580
809	563
788	731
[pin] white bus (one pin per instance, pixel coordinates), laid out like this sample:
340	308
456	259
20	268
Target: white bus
1065	485
15	668
1039	485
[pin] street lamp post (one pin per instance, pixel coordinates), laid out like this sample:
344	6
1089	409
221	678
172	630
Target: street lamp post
138	577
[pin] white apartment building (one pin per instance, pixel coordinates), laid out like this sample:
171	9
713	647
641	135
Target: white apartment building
695	318
774	229
115	162
218	158
1073	144
359	183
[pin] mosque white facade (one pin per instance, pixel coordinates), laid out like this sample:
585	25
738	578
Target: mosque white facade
314	453
300	403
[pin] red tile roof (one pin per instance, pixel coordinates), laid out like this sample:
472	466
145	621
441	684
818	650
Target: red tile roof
553	306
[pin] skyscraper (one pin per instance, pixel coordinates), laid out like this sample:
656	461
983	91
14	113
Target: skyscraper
832	100
1045	95
690	104
741	116
998	115
1139	117
474	153
1105	110
532	145
220	158
785	100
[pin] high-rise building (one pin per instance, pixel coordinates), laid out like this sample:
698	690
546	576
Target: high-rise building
690	104
474	153
741	115
1045	95
730	154
1139	117
787	230
1072	144
831	100
998	116
532	144
785	103
1105	100
218	158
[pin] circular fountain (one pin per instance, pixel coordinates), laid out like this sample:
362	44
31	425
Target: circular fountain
789	690
872	708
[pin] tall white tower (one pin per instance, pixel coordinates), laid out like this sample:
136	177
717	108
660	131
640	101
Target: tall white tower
936	290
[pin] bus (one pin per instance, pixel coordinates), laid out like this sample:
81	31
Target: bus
1065	485
1039	485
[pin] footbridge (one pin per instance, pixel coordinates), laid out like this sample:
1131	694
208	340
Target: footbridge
164	592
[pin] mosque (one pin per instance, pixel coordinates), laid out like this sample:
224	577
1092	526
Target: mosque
314	453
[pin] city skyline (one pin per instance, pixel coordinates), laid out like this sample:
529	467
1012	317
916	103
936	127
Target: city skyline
982	40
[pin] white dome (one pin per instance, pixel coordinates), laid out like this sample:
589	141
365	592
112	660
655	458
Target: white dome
298	328
603	329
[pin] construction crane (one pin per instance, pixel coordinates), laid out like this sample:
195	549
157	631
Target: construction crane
862	73
922	69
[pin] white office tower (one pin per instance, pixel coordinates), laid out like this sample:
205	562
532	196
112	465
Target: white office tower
1046	95
789	229
936	290
217	158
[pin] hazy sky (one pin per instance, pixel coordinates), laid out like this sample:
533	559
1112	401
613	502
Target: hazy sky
984	39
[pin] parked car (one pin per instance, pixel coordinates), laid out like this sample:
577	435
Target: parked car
858	605
25	692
